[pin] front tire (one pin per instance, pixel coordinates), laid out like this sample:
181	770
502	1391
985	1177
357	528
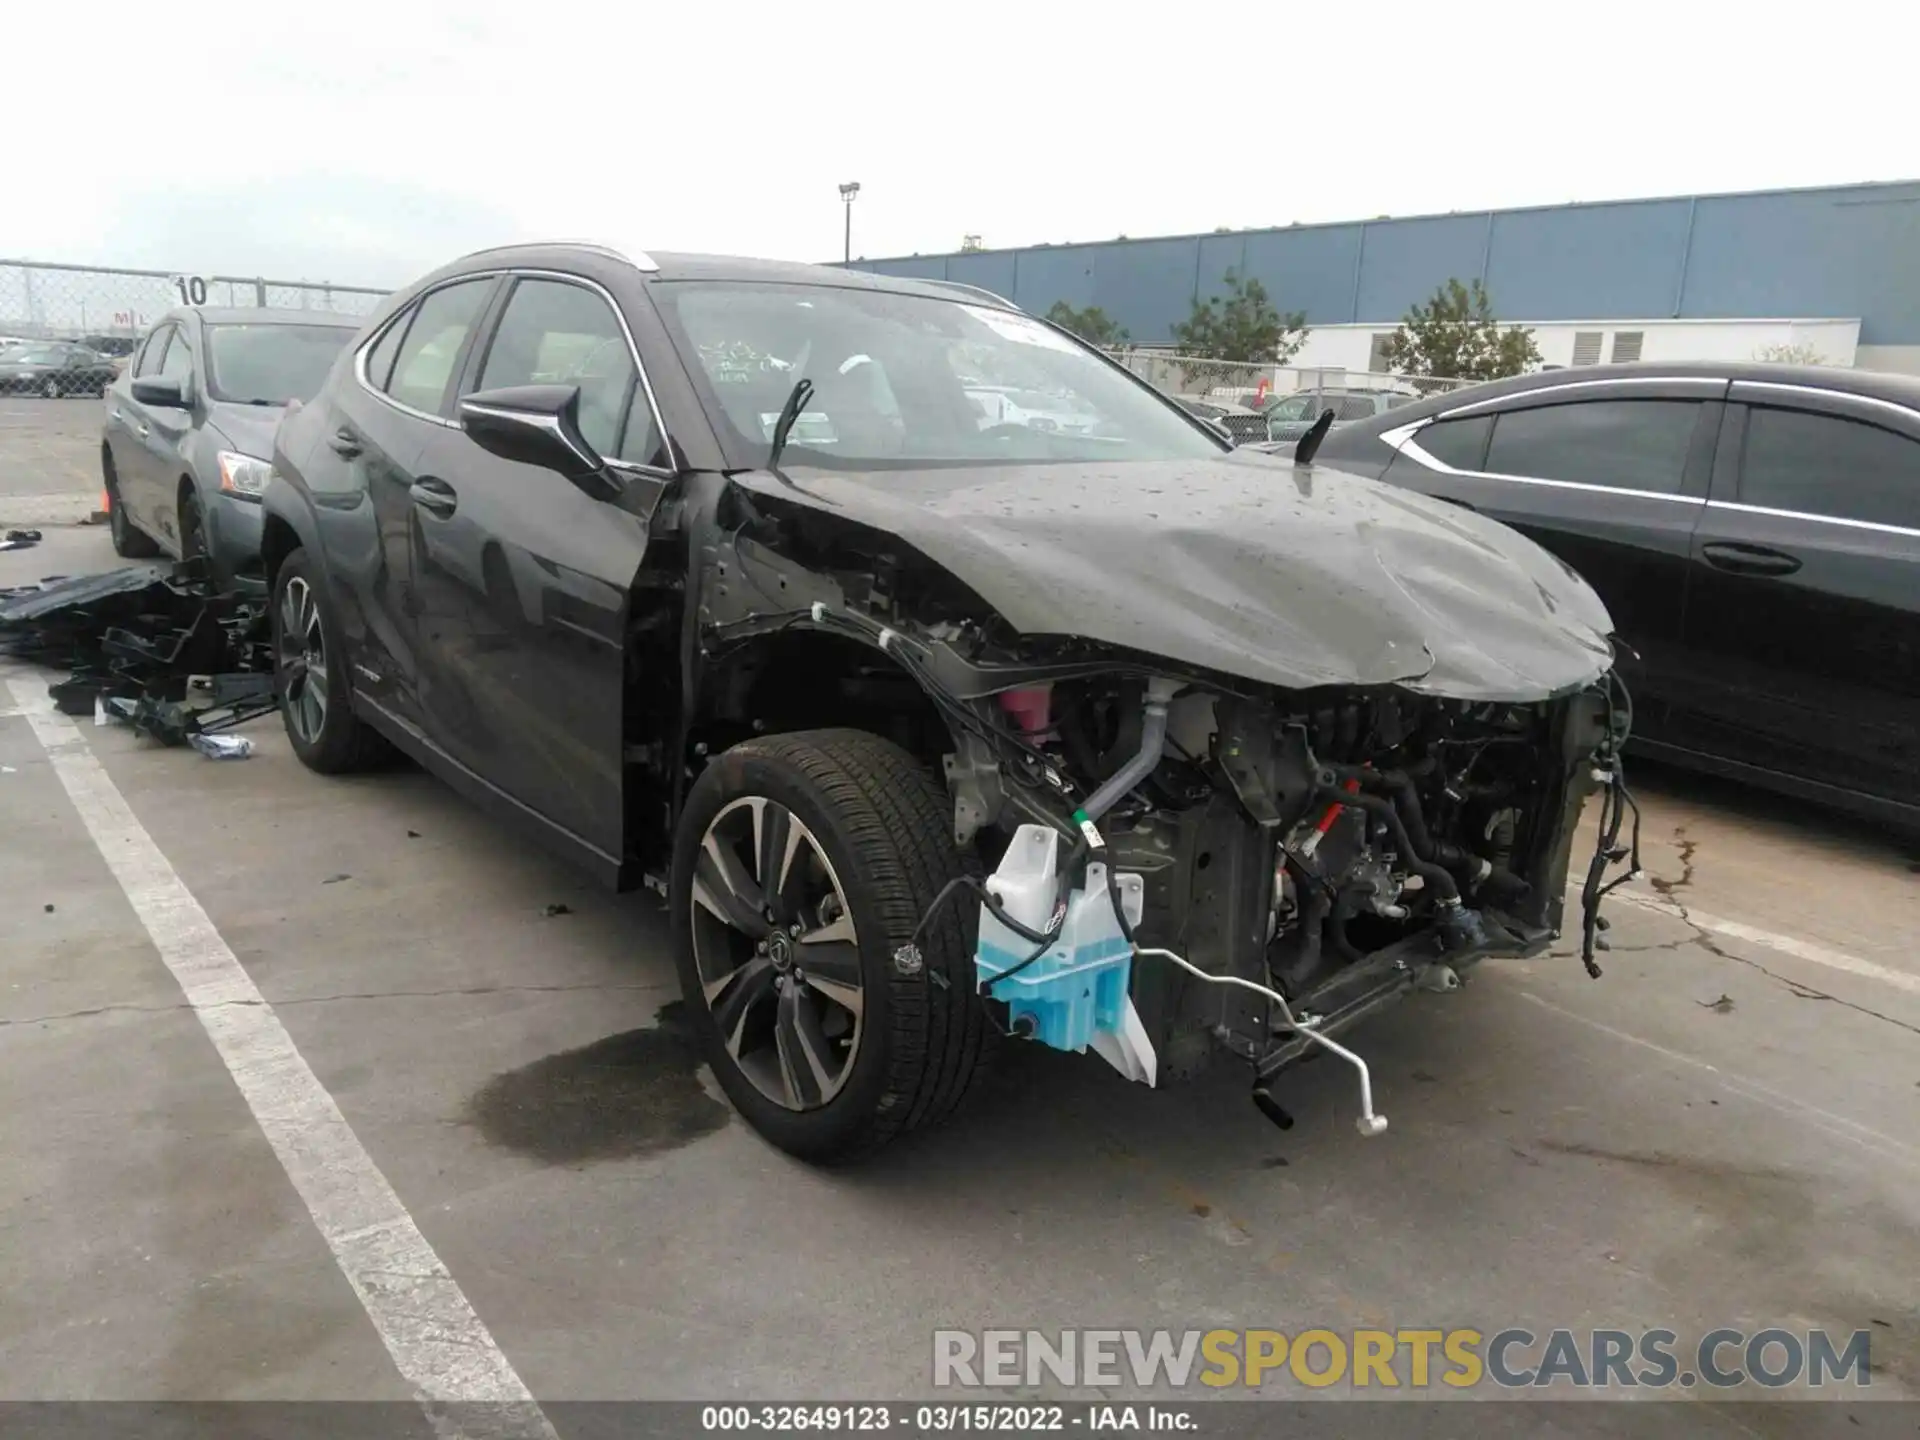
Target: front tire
193	524
310	677
801	863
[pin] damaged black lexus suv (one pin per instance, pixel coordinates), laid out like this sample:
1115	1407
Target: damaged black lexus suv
938	717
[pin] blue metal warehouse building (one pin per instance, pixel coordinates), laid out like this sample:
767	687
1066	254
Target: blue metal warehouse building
1682	265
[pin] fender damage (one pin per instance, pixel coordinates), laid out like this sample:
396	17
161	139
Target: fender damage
1385	716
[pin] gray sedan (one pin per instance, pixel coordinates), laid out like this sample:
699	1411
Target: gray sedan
190	426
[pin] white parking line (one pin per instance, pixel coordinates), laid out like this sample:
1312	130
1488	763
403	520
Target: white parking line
1806	950
441	1346
1786	944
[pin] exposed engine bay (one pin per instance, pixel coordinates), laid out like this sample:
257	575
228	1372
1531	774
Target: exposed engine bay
1231	828
1262	870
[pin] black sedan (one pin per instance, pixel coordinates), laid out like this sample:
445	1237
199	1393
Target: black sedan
185	447
708	573
1755	530
54	370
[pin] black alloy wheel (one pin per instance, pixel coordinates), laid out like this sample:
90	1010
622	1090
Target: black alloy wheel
300	659
778	955
803	864
310	676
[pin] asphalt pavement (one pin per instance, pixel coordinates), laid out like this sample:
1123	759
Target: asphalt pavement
1723	1131
49	460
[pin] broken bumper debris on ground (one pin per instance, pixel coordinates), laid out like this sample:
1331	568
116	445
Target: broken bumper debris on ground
159	647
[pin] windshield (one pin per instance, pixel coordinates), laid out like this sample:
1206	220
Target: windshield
906	380
271	364
1294	407
35	355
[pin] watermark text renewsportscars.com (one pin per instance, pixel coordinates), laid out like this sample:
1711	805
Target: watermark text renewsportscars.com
1402	1359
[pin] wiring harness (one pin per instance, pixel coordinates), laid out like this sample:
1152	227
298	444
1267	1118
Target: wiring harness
1616	805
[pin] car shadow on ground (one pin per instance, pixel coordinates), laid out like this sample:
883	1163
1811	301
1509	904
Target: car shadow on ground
1748	807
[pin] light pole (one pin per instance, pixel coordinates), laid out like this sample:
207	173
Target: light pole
847	192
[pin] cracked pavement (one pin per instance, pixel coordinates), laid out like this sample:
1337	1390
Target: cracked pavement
1629	1151
1670	896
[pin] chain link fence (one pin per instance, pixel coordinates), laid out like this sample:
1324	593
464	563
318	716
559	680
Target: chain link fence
108	309
66	331
1255	402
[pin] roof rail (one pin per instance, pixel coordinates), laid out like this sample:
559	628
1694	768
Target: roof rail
975	290
639	259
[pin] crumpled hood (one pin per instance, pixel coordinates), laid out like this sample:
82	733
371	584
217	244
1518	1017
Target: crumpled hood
1246	565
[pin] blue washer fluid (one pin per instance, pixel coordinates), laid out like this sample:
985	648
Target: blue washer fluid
1078	990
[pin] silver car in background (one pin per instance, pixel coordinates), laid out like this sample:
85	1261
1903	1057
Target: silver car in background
189	427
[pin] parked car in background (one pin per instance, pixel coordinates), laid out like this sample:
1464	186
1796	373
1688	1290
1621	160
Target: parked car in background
185	448
1291	416
54	370
1005	405
117	350
1755	530
812	685
1241	423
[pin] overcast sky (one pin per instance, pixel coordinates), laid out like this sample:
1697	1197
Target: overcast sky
364	143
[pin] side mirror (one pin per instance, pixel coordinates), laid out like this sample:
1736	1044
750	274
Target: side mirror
536	425
169	394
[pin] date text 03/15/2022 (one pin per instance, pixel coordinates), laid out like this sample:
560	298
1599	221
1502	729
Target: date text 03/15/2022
940	1418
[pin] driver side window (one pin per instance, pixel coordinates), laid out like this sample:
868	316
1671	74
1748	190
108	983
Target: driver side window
178	364
556	333
152	351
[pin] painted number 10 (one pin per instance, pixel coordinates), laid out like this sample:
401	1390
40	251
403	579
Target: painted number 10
192	288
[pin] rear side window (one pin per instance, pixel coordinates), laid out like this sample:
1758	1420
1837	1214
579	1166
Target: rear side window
380	357
1620	444
1354	407
1459	443
1828	465
554	333
424	363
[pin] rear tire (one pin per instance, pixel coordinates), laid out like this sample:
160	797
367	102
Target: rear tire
321	726
129	540
879	824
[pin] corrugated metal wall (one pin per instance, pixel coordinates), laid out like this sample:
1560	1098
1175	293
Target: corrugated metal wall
1843	252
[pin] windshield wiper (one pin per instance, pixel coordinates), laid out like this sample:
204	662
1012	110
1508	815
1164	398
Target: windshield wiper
790	412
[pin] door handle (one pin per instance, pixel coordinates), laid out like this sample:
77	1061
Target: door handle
344	443
436	497
1748	559
141	429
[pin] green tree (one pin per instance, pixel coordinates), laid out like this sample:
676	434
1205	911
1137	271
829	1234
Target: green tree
1092	324
1234	330
1455	337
